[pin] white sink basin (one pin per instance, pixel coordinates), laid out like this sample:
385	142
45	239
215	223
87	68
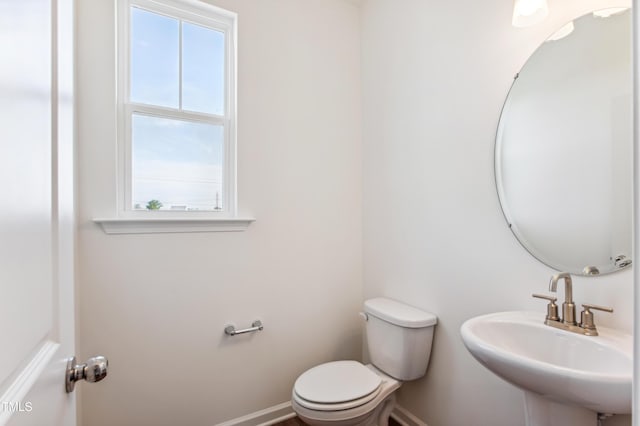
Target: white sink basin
591	372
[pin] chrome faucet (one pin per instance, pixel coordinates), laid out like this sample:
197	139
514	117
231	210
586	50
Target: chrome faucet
568	307
568	320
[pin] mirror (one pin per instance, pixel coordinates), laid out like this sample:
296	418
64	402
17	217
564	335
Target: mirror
563	159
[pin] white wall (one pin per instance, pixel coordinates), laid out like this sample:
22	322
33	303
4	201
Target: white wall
435	76
156	305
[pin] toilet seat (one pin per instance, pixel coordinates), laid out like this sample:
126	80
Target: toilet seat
337	385
340	406
349	411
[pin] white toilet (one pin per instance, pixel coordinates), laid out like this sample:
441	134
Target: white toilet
346	393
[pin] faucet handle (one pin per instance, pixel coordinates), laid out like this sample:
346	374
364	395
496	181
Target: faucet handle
551	299
552	308
588	306
586	318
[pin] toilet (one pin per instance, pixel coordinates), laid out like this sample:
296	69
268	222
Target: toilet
346	393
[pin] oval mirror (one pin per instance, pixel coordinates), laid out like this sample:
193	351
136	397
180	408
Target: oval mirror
563	159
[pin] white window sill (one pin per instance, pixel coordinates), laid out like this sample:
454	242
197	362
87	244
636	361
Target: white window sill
172	225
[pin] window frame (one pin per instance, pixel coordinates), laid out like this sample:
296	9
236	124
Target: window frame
199	13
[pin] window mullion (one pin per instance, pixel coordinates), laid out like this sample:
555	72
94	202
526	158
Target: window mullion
175	114
180	41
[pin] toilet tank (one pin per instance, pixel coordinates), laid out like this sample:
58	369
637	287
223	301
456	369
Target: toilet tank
399	337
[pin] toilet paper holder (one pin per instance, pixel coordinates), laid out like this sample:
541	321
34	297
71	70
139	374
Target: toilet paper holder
230	330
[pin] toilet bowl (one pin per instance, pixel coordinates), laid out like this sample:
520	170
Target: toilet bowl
346	393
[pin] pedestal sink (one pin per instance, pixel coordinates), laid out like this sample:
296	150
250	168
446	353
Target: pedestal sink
568	378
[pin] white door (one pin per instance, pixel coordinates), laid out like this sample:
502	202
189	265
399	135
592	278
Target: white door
36	211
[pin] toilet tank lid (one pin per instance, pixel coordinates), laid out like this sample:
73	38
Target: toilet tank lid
398	313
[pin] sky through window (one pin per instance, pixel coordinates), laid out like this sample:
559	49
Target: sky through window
177	162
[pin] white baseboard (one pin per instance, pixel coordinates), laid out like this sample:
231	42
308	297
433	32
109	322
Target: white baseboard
405	418
281	412
267	417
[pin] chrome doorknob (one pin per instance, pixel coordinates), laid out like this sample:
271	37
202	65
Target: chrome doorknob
94	370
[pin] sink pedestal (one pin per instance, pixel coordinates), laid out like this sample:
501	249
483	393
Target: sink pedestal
540	411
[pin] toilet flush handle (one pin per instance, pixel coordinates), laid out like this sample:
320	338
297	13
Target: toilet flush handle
364	316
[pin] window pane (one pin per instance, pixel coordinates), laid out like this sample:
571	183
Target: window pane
202	69
155	44
177	163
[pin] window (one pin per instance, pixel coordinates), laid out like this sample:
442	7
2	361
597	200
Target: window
176	109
